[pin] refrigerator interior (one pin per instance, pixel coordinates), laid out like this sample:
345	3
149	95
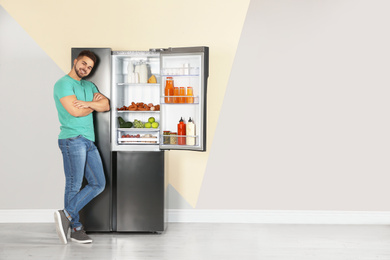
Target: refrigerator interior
186	71
128	89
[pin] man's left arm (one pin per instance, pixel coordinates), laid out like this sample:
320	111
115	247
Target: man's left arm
99	103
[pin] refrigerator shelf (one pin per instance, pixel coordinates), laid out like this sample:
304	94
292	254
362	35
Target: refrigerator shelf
195	98
179	75
139	129
138	141
138	111
138	84
195	136
180	71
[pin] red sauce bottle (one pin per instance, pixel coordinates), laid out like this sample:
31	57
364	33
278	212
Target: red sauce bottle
181	130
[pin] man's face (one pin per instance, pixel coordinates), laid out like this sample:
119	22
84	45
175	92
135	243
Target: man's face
83	66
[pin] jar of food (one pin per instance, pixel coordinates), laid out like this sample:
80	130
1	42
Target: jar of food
166	137
190	95
182	99
173	139
176	95
169	90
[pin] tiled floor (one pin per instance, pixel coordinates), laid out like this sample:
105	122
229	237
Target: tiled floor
204	241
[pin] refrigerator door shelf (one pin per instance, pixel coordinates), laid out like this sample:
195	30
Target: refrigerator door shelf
139	84
168	73
196	100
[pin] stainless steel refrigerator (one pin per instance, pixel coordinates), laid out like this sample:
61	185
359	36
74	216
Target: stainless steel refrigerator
158	103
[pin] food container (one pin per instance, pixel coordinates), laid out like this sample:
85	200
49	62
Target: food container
166	137
173	138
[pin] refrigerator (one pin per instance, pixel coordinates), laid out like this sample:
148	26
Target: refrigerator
158	102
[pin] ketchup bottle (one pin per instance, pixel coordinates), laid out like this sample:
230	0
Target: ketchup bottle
181	130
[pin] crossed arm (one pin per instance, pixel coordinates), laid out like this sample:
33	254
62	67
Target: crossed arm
80	108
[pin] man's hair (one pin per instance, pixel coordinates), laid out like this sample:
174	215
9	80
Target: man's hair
88	54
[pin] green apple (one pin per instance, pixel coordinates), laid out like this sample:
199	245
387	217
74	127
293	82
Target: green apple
155	125
148	125
151	119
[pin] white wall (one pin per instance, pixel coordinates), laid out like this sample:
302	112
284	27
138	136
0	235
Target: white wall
305	120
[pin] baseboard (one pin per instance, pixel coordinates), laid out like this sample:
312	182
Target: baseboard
229	216
280	216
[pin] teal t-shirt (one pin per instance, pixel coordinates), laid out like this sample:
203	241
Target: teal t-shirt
74	126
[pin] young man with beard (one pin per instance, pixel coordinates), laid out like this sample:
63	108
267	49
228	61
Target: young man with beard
75	101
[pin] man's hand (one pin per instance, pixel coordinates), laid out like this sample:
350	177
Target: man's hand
81	104
97	97
86	104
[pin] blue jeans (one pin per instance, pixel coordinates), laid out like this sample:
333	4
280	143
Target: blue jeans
81	159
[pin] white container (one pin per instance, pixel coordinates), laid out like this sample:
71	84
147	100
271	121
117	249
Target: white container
190	131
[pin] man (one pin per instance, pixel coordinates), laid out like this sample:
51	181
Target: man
75	101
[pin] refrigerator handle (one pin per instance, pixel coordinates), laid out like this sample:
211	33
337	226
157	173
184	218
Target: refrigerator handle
158	50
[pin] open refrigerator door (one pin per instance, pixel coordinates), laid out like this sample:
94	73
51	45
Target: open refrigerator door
184	73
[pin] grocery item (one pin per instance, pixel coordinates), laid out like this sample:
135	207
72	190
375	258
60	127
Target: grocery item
148	125
155	125
166	137
182	99
124	124
190	131
173	138
169	90
140	106
181	130
138	124
176	95
152	79
190	95
143	73
151	119
130	73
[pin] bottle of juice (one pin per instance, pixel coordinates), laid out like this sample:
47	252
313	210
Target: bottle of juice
176	95
182	94
190	95
169	90
181	130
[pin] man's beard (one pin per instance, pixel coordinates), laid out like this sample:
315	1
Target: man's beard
78	73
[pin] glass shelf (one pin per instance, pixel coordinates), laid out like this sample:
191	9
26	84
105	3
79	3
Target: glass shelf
133	129
138	84
138	111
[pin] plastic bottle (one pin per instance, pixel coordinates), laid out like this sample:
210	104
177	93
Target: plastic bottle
190	131
181	130
130	73
143	73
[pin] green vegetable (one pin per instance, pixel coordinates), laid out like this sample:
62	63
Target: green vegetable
138	124
124	124
127	125
121	120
